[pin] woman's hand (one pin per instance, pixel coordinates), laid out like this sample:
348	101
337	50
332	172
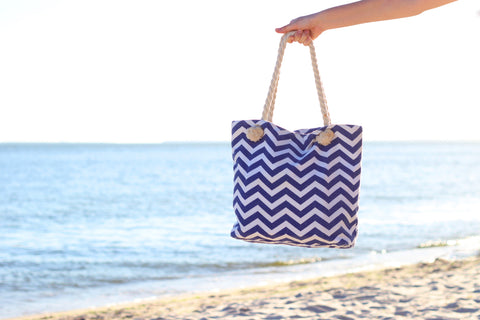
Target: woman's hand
308	29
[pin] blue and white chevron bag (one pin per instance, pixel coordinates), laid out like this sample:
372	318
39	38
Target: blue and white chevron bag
296	188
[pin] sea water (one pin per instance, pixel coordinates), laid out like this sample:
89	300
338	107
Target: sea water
84	225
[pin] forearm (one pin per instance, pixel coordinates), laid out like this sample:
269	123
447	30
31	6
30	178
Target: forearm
310	27
373	10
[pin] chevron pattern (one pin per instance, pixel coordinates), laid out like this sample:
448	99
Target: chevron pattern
288	189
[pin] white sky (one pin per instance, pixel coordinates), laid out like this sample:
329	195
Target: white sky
153	71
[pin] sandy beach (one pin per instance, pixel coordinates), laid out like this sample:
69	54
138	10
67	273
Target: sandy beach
438	290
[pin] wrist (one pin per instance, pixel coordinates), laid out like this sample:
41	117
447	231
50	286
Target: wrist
319	23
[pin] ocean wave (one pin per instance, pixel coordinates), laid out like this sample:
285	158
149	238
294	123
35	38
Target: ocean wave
292	262
437	244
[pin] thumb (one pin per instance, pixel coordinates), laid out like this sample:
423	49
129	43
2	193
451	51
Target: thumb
289	27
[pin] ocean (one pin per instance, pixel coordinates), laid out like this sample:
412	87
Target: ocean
88	225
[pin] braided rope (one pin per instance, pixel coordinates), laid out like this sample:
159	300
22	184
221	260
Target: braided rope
269	106
272	92
318	83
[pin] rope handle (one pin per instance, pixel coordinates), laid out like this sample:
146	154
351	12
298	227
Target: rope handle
267	114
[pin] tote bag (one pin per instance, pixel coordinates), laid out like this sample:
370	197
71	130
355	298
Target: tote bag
297	188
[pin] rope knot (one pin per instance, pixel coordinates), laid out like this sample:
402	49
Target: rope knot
255	133
325	137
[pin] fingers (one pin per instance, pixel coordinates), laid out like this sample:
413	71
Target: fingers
301	36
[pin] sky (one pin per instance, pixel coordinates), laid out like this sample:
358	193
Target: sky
150	71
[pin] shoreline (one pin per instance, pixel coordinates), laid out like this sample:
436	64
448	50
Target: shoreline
441	289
